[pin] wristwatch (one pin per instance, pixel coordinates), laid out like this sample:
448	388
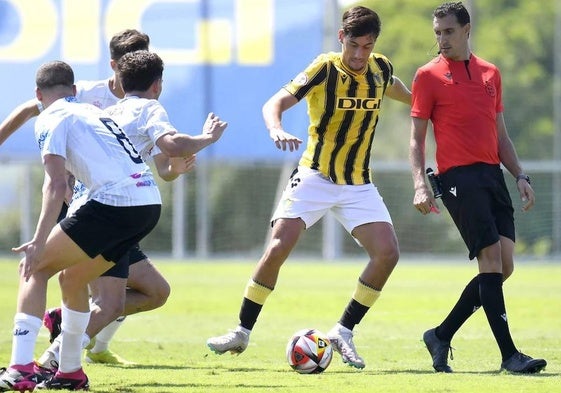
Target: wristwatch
523	176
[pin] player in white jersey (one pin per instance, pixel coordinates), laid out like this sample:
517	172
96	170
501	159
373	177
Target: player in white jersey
124	206
146	124
147	289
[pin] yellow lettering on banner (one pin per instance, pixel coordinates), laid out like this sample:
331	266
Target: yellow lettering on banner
38	20
247	38
80	35
254	31
216	41
124	14
213	45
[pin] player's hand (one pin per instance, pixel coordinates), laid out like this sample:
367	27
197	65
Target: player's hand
526	194
180	165
425	202
214	127
28	265
284	140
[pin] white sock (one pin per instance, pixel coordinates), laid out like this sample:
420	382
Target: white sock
74	324
26	329
102	338
51	353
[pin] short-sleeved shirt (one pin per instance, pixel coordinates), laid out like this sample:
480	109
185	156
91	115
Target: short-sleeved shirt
96	93
144	121
343	107
462	99
97	153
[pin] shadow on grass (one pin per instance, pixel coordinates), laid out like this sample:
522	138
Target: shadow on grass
219	369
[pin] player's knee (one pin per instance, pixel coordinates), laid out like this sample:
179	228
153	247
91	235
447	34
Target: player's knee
389	255
277	252
69	283
161	295
112	309
507	271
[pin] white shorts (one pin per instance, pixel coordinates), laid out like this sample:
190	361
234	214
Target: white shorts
309	195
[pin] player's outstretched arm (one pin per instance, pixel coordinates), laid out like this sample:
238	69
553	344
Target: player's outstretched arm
171	168
21	114
184	145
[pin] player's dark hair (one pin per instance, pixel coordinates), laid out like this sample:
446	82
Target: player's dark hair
360	21
455	8
126	41
54	73
138	70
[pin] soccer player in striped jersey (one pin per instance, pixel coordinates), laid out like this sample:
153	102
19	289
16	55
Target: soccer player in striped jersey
344	92
461	94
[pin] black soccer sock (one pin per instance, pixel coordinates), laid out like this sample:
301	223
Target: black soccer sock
467	304
492	300
249	311
353	314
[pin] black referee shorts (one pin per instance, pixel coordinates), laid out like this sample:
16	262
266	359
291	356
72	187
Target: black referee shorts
478	201
110	230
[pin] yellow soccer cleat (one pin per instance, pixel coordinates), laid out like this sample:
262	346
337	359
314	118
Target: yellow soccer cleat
106	357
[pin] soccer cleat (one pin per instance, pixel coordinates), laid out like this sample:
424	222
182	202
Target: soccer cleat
342	342
106	357
234	342
43	373
76	380
52	321
91	344
438	349
523	364
19	377
49	360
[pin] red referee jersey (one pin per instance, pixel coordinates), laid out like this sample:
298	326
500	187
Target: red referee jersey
462	99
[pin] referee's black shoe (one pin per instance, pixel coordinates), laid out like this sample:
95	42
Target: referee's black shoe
438	349
523	364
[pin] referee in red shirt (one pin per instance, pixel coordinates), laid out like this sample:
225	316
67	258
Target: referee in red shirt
461	95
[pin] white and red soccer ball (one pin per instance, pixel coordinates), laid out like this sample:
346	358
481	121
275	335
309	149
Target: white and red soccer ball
309	351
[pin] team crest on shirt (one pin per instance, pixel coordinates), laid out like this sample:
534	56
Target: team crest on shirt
378	78
490	89
301	79
41	140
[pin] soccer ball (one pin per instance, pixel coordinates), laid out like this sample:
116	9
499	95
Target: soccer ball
309	351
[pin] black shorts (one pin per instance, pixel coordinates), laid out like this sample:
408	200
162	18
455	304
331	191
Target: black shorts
121	270
110	230
63	211
478	201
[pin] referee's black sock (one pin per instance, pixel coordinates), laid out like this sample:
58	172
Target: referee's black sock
467	304
492	300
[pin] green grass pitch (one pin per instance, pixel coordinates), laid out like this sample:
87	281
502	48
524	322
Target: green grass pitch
168	344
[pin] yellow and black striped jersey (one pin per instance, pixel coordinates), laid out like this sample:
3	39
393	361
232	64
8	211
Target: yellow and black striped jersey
343	107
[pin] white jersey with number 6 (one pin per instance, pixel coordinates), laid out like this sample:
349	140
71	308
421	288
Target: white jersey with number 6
144	121
97	152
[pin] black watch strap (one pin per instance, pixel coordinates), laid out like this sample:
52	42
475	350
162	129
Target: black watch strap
523	176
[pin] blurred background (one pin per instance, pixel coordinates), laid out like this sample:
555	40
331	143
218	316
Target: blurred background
229	57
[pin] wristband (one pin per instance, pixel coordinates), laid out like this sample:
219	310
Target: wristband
523	176
40	106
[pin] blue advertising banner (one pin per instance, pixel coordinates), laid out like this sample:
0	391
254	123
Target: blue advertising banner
224	56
